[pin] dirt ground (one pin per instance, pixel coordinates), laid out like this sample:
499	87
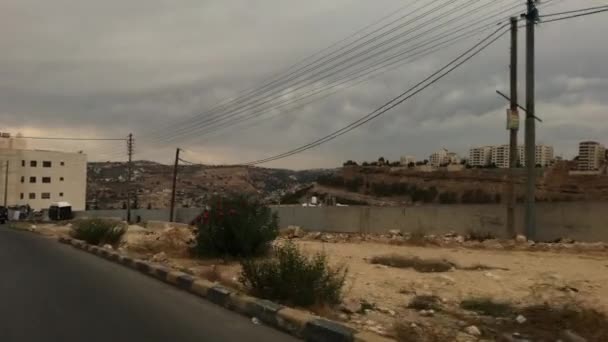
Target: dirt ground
376	296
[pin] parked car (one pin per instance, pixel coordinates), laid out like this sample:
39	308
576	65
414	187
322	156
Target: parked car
3	215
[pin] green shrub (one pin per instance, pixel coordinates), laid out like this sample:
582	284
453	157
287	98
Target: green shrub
97	231
238	226
294	278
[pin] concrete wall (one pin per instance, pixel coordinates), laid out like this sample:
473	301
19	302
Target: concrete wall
583	221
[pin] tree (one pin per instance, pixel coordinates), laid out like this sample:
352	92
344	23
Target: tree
149	206
411	164
350	163
380	160
124	205
365	163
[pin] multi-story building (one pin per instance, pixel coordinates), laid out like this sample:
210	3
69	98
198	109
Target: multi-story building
591	155
37	177
439	158
480	156
499	155
406	160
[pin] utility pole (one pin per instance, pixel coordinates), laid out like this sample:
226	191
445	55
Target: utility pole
6	185
530	136
513	127
129	174
174	184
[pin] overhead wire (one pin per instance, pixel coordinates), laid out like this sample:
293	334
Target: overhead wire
364	71
192	128
332	58
380	111
409	93
256	90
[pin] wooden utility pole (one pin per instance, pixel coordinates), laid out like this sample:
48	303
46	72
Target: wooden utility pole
6	185
129	174
174	185
530	134
513	127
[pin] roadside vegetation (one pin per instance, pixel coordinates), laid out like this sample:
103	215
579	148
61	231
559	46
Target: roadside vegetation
236	226
98	231
291	277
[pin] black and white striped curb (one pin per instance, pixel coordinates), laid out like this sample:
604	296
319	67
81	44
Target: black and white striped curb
296	322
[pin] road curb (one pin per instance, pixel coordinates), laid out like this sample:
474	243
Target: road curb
295	322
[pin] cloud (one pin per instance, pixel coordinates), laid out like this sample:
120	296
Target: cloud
149	67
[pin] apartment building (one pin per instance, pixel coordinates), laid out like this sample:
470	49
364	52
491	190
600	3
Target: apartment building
439	158
406	160
499	155
38	177
591	155
480	156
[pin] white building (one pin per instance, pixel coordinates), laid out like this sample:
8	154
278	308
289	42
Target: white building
37	177
499	155
480	156
591	155
406	160
439	158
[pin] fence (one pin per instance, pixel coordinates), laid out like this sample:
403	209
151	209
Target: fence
583	221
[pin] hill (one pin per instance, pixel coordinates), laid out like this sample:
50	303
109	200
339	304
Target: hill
106	183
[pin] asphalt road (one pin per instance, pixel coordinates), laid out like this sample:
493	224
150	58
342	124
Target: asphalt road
53	292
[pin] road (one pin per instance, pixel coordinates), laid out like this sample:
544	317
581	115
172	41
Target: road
53	292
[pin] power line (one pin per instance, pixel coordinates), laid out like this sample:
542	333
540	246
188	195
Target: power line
381	65
381	111
442	72
575	16
192	128
201	121
574	11
69	138
272	80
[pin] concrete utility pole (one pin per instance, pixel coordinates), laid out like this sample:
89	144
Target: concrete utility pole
6	185
530	137
513	127
174	184
129	174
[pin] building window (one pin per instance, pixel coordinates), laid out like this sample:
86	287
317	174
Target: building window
33	163
46	163
62	163
61	179
61	194
21	196
32	195
45	195
23	163
46	179
32	179
22	179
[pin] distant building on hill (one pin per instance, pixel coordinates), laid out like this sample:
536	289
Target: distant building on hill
591	155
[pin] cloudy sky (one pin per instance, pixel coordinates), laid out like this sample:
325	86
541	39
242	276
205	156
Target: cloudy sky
158	68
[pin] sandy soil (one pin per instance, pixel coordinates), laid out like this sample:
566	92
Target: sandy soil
521	278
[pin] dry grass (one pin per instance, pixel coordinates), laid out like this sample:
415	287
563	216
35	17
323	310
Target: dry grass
487	306
173	242
425	302
417	238
406	332
416	263
479	235
549	323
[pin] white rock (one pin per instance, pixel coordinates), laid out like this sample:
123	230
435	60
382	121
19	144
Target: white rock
106	246
473	330
395	232
427	313
521	319
491	275
255	321
159	257
520	238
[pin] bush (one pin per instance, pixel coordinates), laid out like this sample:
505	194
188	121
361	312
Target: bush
238	226
487	306
418	264
293	278
98	231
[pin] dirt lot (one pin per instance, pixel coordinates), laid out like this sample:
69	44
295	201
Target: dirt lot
377	296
